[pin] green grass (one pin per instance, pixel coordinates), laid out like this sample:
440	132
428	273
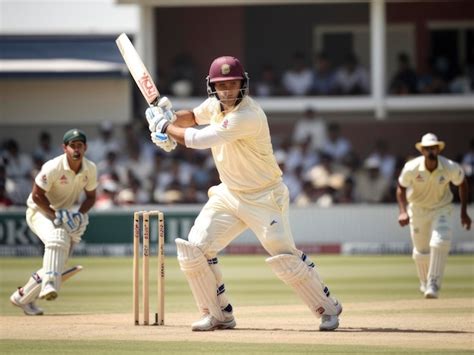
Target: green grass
104	286
133	347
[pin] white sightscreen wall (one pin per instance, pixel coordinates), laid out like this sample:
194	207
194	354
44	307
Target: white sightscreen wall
57	101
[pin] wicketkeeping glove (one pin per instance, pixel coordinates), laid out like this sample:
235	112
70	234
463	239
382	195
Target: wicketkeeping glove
64	219
163	141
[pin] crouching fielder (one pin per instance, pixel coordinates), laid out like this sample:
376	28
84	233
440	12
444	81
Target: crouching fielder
251	195
423	187
57	188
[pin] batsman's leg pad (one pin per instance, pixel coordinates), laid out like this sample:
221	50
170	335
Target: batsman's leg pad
200	278
221	293
422	262
55	257
32	288
306	282
439	255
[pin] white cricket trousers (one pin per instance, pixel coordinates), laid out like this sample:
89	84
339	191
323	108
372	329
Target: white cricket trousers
228	213
430	228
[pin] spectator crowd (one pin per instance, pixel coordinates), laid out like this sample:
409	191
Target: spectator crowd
320	76
319	164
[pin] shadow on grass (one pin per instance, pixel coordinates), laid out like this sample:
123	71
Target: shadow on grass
360	330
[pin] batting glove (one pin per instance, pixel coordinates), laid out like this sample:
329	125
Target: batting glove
64	219
81	219
157	122
163	141
167	107
159	117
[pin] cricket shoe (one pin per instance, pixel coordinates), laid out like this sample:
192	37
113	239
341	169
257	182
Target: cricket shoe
208	323
422	287
331	322
432	290
30	309
48	292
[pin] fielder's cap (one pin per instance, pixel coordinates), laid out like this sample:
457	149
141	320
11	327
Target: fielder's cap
74	135
225	68
429	140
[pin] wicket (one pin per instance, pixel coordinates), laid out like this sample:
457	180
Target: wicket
145	231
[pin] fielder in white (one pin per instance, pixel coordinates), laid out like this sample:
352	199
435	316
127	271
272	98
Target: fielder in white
57	188
423	187
251	195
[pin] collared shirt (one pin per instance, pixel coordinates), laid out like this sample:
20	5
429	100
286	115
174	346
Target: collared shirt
427	189
62	185
246	161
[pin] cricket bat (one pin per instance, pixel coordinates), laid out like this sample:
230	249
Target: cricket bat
71	272
138	70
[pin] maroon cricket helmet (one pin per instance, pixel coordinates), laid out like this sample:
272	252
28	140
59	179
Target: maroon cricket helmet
226	68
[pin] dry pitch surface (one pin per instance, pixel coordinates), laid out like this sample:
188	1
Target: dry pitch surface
416	324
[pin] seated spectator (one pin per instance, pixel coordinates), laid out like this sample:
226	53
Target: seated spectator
172	194
292	178
336	146
267	85
45	150
136	163
18	167
298	79
467	163
306	197
370	185
133	193
301	155
352	78
110	165
324	78
346	193
461	83
97	148
327	174
107	194
387	160
5	201
404	81
431	82
313	127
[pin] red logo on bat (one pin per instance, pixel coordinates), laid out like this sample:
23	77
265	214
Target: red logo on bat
148	88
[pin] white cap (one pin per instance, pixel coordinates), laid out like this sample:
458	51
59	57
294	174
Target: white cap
429	140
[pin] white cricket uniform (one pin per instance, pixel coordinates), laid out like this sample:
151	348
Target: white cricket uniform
63	189
252	194
430	198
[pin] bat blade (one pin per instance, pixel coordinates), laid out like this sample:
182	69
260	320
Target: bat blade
71	272
137	69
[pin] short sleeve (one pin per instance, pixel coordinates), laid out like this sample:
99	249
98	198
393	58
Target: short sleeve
457	174
92	178
405	178
45	177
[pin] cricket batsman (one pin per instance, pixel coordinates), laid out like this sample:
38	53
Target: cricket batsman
251	195
50	215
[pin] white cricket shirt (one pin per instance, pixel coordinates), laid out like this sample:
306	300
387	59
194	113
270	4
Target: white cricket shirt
427	189
246	161
62	185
